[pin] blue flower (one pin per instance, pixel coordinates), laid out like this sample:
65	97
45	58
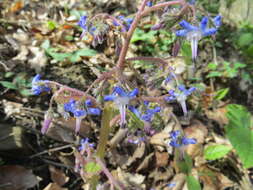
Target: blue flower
121	98
149	4
126	21
148	114
39	86
77	109
195	33
83	24
217	21
84	144
192	2
180	95
178	141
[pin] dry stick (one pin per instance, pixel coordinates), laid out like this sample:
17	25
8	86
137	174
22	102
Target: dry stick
52	150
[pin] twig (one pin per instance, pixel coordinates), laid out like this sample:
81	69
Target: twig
51	150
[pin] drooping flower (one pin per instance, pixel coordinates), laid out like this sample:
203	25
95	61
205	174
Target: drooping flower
79	112
147	115
84	144
47	121
121	99
39	86
83	24
149	4
177	140
195	33
180	95
125	20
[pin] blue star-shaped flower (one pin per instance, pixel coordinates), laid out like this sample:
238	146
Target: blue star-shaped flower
77	109
83	24
148	114
195	33
178	141
121	98
39	86
180	94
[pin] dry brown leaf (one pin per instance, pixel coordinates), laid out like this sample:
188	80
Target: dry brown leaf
15	7
218	115
162	158
138	153
58	176
198	131
54	186
16	177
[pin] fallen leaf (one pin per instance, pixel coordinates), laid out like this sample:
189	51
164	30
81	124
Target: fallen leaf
16	177
39	60
54	186
58	176
162	158
218	115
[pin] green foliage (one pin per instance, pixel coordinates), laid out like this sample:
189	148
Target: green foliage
184	162
92	167
51	25
73	57
243	40
19	83
192	183
225	69
153	42
186	51
220	94
134	121
214	152
239	132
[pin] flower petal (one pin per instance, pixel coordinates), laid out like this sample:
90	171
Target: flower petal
181	33
186	25
133	93
109	97
209	32
94	111
203	23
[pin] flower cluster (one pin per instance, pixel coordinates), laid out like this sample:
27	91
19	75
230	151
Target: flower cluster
125	20
84	144
194	33
180	95
39	86
148	114
121	99
79	112
177	140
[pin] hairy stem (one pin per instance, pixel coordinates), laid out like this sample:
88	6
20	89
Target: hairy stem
124	49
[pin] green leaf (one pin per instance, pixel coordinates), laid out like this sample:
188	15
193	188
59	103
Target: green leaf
212	66
76	56
92	167
192	183
239	133
8	74
220	94
214	74
141	35
9	85
214	152
183	161
25	92
245	39
51	25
